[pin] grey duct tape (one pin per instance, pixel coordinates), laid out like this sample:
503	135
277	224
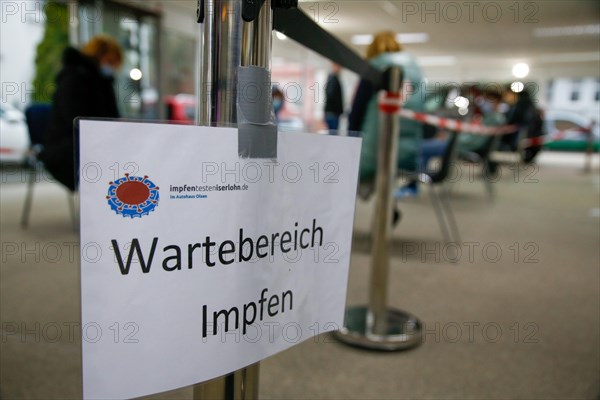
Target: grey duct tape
257	130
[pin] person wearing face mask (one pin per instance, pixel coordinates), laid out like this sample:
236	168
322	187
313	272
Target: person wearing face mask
84	88
277	96
481	145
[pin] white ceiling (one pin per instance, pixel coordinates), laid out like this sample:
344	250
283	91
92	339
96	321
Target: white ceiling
482	44
482	40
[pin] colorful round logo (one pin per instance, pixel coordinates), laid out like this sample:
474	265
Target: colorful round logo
132	196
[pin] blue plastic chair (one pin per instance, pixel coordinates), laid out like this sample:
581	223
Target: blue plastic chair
38	119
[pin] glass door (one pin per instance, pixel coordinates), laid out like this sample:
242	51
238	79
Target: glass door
137	30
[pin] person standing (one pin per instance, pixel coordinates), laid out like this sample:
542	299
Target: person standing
84	88
334	99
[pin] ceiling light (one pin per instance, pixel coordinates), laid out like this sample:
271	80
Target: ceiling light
592	56
403	38
436	61
451	96
135	74
461	102
280	36
517	87
574	30
417	37
361	40
520	70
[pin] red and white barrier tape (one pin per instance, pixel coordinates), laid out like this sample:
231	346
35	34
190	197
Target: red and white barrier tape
390	103
457	125
554	137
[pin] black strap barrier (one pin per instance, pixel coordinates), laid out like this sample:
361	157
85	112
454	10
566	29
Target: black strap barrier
375	326
300	27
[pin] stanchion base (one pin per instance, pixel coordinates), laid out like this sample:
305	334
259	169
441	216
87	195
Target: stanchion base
404	331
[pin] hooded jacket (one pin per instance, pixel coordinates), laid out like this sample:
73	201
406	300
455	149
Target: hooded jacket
81	91
365	116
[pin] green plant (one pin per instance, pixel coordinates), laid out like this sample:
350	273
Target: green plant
49	51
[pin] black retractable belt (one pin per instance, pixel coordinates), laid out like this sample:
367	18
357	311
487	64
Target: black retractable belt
251	8
200	12
292	22
300	27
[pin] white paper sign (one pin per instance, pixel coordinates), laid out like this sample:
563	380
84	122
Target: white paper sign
169	297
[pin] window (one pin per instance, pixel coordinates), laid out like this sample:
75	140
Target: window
563	125
550	91
576	90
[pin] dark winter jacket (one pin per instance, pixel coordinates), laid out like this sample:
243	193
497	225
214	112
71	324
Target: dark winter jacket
334	102
81	91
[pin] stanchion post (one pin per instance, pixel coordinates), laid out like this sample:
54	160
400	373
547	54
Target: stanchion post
220	55
256	39
389	126
376	326
239	385
227	42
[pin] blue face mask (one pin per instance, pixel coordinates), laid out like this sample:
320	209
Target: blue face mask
487	107
107	71
277	104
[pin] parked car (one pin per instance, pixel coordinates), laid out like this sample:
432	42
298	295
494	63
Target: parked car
181	108
14	136
442	102
569	131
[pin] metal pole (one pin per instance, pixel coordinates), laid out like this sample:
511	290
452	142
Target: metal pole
239	385
376	326
219	62
256	39
389	126
222	55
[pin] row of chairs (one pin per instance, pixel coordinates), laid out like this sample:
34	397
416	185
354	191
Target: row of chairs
38	115
438	189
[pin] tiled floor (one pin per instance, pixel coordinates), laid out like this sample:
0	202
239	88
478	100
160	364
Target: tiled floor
516	315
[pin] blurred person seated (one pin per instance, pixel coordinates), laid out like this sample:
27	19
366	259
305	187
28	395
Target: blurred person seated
520	112
385	52
527	118
489	114
84	88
